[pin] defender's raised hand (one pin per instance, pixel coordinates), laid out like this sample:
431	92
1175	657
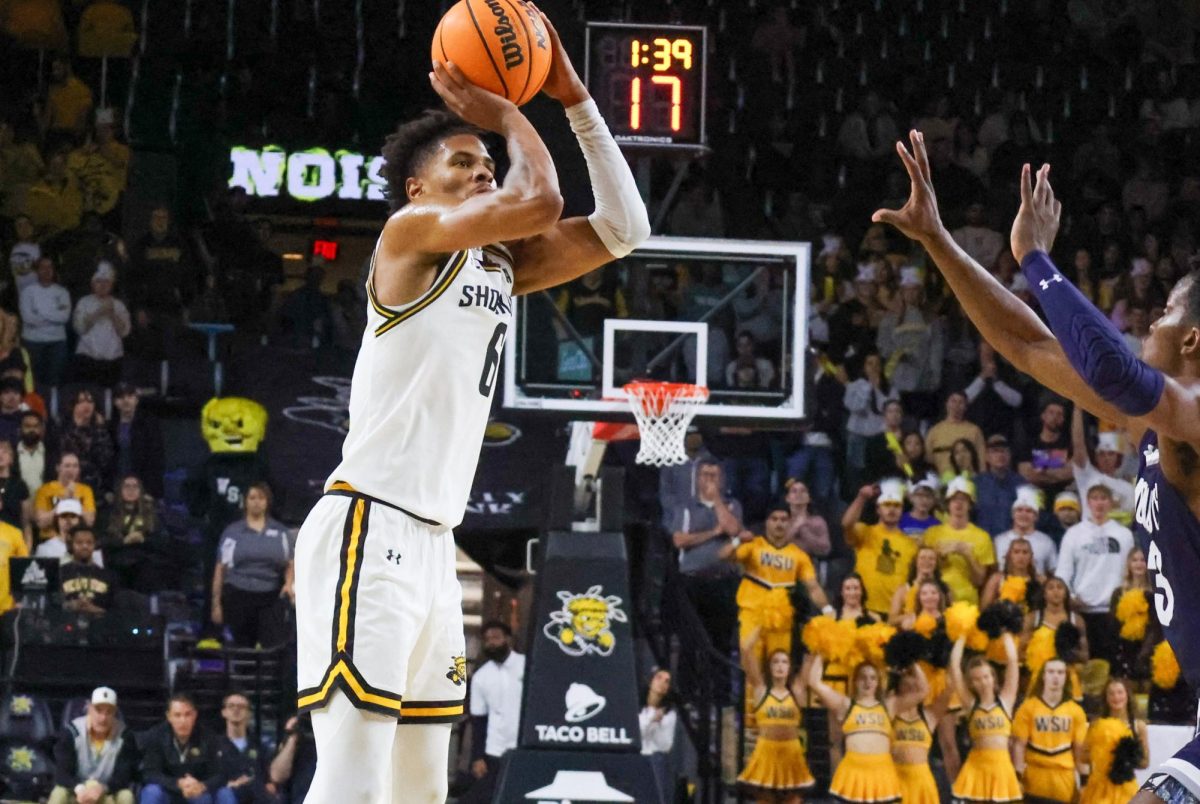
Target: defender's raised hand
473	104
918	218
1036	224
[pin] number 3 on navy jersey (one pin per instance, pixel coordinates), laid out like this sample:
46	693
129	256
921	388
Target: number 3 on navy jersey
1164	597
491	360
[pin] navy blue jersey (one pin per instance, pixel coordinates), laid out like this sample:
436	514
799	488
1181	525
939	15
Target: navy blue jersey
1170	534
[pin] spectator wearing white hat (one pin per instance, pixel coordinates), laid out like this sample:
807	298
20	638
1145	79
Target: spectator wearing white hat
1109	456
67	514
912	344
1137	288
852	327
102	323
882	552
966	549
94	759
1091	560
1025	510
923	494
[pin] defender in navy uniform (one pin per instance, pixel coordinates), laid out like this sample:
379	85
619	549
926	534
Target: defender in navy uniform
1083	357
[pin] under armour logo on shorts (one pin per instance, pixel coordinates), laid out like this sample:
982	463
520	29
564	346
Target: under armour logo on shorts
393	557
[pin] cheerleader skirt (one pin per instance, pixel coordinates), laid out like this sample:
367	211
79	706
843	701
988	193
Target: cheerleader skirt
776	766
1051	784
1099	790
865	779
917	785
987	776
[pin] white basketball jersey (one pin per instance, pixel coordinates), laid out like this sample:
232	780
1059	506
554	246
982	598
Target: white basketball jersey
423	384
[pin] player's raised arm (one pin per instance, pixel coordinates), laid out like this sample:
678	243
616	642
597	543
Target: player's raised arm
574	246
1139	389
529	202
1003	320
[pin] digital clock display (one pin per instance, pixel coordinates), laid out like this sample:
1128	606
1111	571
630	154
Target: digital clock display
649	82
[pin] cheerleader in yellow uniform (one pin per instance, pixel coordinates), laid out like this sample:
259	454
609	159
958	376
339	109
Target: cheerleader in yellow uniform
1037	641
1049	733
777	770
912	731
866	772
988	774
930	597
1103	737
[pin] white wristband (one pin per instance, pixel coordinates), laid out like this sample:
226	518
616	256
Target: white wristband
620	220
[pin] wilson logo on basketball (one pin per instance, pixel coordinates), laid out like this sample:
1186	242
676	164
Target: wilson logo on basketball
513	55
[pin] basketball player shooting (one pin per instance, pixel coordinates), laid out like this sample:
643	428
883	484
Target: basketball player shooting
1083	357
379	607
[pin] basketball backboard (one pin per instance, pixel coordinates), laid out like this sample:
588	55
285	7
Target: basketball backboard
676	310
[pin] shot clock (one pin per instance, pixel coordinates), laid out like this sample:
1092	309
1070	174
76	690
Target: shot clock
649	82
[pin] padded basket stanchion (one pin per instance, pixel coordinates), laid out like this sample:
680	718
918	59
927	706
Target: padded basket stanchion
663	411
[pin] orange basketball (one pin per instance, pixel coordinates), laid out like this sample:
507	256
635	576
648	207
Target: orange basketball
500	45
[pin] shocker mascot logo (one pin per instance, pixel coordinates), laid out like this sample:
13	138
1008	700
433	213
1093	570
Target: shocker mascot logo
458	671
584	623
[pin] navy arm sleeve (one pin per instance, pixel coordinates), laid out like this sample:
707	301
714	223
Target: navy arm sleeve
1091	342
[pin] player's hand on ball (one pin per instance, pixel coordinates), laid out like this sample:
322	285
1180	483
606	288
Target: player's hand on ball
1036	224
473	104
919	218
562	83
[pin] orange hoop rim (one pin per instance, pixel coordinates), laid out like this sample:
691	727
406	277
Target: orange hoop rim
655	398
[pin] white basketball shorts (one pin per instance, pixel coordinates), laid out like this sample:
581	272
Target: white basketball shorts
378	610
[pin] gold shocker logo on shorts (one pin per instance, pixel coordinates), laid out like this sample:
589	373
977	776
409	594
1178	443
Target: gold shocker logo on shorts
458	671
584	623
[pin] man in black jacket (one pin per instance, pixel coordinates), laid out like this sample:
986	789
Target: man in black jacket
94	758
183	763
138	439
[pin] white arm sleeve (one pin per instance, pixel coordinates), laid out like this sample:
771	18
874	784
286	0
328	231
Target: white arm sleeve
620	219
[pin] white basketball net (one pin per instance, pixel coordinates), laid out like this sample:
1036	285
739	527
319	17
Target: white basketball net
663	411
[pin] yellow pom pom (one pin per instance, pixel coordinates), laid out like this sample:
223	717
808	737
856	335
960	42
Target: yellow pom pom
870	639
977	640
1039	650
815	635
960	620
1014	589
925	625
1133	612
840	643
910	599
1164	667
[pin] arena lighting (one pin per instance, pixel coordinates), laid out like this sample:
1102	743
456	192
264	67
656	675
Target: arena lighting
310	175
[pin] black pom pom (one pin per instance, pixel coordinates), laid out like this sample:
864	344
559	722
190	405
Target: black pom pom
1004	615
904	649
940	647
1066	641
1033	594
1127	755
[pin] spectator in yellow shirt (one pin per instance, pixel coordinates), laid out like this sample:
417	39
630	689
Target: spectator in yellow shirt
966	549
54	203
882	551
66	485
68	101
939	441
12	545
